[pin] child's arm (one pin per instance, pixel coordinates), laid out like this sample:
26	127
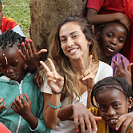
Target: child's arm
23	108
80	114
126	122
95	18
30	55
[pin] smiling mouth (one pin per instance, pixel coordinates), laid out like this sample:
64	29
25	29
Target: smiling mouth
112	121
111	49
73	51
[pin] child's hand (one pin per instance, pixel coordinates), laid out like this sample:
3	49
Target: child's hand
87	75
125	121
38	79
85	117
30	55
54	80
123	71
124	20
21	106
2	104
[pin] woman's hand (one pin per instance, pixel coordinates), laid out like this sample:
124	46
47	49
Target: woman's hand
87	75
30	55
54	80
85	117
123	71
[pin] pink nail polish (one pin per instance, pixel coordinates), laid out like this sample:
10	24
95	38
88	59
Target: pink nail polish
30	40
22	43
116	128
26	94
26	40
19	51
77	131
95	129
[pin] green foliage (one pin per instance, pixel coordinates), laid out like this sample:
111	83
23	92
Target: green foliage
19	10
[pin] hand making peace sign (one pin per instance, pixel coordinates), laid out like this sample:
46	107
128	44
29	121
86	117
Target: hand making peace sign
54	80
87	75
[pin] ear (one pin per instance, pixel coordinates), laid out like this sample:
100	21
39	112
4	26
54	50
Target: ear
130	102
89	43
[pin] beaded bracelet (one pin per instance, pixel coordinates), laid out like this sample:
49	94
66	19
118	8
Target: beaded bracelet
55	107
58	92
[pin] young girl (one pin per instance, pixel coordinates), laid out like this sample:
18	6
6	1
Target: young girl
114	99
112	37
22	107
74	70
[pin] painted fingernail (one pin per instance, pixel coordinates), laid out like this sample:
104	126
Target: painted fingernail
116	128
77	131
22	44
19	51
121	56
30	40
95	129
26	94
26	40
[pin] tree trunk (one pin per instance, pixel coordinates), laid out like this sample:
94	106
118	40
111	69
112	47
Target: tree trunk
45	16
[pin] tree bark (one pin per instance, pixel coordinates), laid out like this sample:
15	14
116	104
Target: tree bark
45	16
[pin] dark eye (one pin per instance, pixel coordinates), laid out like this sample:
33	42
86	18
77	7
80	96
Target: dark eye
109	35
103	108
63	40
116	106
121	40
3	66
14	64
74	35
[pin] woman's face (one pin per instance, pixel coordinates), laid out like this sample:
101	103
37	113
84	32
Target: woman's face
73	41
112	104
113	39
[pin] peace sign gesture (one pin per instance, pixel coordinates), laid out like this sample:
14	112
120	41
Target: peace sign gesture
87	75
123	71
54	80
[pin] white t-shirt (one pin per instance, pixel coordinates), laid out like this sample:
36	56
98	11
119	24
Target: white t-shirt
67	126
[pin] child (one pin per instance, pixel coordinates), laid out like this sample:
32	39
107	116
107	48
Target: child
112	37
22	109
101	11
114	99
8	23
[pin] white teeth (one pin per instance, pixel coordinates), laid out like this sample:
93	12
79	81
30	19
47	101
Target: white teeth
113	120
72	51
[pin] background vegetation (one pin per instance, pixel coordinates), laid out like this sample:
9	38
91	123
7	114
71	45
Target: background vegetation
20	11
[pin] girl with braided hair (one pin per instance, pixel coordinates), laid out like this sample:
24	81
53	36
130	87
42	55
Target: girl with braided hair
114	99
21	102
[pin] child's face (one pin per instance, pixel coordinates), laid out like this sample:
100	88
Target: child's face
11	63
112	104
113	38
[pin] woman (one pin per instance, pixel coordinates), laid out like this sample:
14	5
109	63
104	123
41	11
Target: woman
75	68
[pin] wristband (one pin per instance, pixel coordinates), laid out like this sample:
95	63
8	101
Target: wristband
54	107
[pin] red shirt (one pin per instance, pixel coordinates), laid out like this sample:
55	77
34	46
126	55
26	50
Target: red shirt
7	23
107	6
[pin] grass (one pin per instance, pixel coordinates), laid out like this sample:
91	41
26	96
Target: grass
19	10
